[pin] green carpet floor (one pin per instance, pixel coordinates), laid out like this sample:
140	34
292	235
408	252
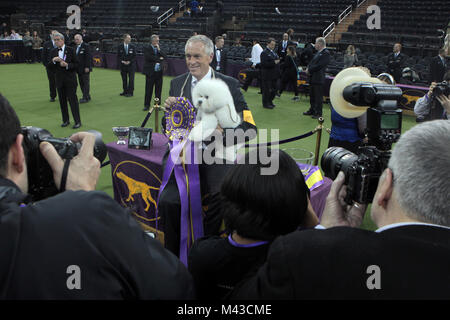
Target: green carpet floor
26	88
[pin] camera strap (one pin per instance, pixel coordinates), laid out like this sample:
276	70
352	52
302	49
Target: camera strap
65	172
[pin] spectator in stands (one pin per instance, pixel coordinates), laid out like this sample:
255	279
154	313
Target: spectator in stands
80	243
85	36
396	61
3	28
316	72
14	35
255	71
290	33
438	67
237	42
431	107
28	44
283	45
219	62
5	36
37	47
350	57
84	68
289	72
188	12
194	7
270	73
126	56
153	58
47	47
200	10
407	257
256	209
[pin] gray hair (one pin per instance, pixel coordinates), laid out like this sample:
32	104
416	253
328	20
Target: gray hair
321	41
420	164
153	37
57	34
209	46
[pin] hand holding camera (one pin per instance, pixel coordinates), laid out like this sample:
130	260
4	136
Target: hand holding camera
337	212
84	169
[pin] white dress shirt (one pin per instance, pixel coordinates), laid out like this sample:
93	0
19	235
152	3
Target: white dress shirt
256	54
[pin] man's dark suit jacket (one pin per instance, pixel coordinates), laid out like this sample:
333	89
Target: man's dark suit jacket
123	56
223	60
150	59
84	58
437	69
65	77
317	67
395	65
280	52
46	49
413	261
269	69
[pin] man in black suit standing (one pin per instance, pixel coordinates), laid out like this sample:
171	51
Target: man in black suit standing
48	46
63	60
126	57
153	57
199	51
219	61
283	45
316	71
84	67
438	67
407	257
396	61
270	72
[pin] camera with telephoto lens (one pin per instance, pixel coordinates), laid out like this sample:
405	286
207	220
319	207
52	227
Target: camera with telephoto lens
363	170
441	88
40	176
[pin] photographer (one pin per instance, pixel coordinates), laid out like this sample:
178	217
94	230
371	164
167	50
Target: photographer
408	257
429	107
79	244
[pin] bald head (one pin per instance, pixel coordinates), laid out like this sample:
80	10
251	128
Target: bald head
78	39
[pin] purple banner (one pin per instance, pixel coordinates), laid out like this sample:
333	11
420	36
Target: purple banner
136	176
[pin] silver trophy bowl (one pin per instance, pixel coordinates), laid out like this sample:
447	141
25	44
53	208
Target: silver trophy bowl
121	133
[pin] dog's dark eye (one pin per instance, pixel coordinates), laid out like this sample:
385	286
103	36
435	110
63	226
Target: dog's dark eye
206	97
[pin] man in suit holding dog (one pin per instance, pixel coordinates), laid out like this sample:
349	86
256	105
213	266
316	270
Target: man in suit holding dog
199	51
126	56
84	67
153	57
64	62
316	71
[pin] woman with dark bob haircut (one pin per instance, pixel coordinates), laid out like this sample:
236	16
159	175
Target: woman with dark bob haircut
256	209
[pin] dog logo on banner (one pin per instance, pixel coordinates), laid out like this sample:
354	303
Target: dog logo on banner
409	98
97	61
6	55
138	195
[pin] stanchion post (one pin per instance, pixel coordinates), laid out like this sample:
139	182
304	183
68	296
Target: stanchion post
156	114
318	138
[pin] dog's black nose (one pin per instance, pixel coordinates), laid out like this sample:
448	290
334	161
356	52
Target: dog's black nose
199	102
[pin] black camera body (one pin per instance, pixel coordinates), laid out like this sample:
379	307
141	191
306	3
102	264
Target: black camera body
441	88
363	170
40	176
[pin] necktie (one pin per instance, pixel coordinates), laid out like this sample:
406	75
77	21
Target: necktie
126	49
155	50
78	49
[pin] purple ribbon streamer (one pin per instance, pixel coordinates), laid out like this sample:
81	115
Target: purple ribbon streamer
191	221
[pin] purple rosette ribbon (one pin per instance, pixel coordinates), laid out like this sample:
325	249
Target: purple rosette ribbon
180	119
182	162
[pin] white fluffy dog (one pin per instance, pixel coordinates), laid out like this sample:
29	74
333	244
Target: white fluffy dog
215	106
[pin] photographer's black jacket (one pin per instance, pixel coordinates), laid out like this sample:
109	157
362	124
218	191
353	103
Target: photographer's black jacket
40	242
